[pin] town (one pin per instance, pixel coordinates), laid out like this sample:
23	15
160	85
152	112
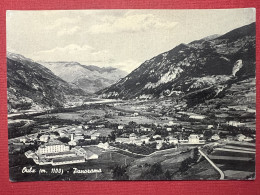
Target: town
135	130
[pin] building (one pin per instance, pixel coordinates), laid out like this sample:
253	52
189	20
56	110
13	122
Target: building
168	128
103	145
173	140
132	136
122	140
144	139
145	128
95	135
215	137
156	137
120	127
135	114
60	154
23	140
44	138
194	139
240	137
248	139
68	160
87	154
235	123
54	146
29	154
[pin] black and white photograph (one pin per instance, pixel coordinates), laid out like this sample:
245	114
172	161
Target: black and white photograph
131	94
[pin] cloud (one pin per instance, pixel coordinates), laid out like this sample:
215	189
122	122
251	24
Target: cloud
60	22
131	23
73	52
68	31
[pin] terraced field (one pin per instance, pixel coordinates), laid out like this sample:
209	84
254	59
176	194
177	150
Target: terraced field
235	159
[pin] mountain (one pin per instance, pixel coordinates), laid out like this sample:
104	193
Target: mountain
202	68
33	86
89	78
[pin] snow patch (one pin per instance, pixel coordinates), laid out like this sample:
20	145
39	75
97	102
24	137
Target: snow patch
237	66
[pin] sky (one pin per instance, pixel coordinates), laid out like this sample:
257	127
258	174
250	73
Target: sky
119	38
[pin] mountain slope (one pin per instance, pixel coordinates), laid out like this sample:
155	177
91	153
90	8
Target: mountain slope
89	78
32	86
206	63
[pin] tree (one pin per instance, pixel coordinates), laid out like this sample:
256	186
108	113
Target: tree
64	139
168	175
185	164
119	173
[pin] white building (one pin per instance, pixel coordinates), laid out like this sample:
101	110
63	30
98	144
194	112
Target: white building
241	137
44	138
53	147
173	140
168	128
194	139
156	136
235	123
94	136
120	127
132	136
85	152
215	137
145	129
68	160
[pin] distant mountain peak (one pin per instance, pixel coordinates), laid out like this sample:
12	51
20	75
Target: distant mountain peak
90	78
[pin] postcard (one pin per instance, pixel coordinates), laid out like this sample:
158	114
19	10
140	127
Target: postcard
131	94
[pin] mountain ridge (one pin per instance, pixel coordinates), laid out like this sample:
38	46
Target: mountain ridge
90	78
190	67
32	86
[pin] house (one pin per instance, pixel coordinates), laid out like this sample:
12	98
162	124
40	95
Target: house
144	138
79	137
138	142
171	123
240	137
122	140
173	140
145	128
29	154
120	127
44	138
85	152
103	145
156	136
23	140
63	133
194	139
95	135
73	142
215	137
235	123
159	144
132	136
248	139
135	114
100	126
210	126
168	128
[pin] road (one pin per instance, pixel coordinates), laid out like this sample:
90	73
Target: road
222	175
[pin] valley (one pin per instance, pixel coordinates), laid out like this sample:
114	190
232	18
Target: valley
185	114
